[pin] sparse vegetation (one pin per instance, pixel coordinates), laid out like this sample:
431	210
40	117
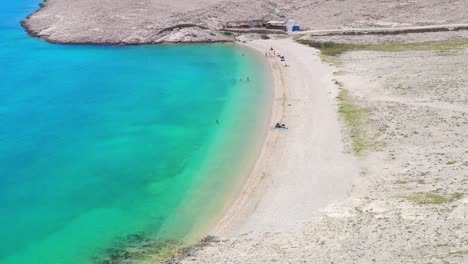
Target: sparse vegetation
264	36
456	196
451	162
336	49
227	33
424	198
458	253
356	119
339	73
442	245
401	182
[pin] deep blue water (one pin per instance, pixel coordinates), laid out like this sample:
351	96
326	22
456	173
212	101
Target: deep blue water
103	148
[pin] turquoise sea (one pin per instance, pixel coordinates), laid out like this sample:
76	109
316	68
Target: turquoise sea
112	153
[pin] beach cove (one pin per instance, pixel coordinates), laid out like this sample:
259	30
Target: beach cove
113	153
371	167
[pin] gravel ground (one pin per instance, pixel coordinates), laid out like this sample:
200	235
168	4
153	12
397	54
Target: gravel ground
382	39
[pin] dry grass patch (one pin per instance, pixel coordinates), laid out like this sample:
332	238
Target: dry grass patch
340	73
330	51
425	198
357	120
336	49
401	182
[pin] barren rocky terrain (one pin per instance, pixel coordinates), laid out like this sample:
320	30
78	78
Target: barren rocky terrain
156	21
398	38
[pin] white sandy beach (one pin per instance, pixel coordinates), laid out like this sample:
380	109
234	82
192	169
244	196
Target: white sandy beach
403	201
304	168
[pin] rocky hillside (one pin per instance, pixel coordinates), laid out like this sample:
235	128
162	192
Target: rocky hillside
156	21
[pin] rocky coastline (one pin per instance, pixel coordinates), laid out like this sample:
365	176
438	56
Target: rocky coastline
127	22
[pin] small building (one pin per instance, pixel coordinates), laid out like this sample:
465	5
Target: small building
276	25
291	25
246	24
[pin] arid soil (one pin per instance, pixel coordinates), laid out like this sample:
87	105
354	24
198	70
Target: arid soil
398	38
410	202
156	21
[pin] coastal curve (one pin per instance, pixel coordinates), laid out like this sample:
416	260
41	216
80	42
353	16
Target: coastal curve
302	169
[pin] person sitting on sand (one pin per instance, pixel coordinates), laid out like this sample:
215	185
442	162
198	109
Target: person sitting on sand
277	124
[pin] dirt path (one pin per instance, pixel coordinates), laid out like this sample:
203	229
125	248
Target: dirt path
383	30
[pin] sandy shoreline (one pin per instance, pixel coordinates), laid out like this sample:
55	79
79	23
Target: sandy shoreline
402	200
252	179
294	176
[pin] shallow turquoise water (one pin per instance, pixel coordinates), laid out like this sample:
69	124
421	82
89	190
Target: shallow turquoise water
108	148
